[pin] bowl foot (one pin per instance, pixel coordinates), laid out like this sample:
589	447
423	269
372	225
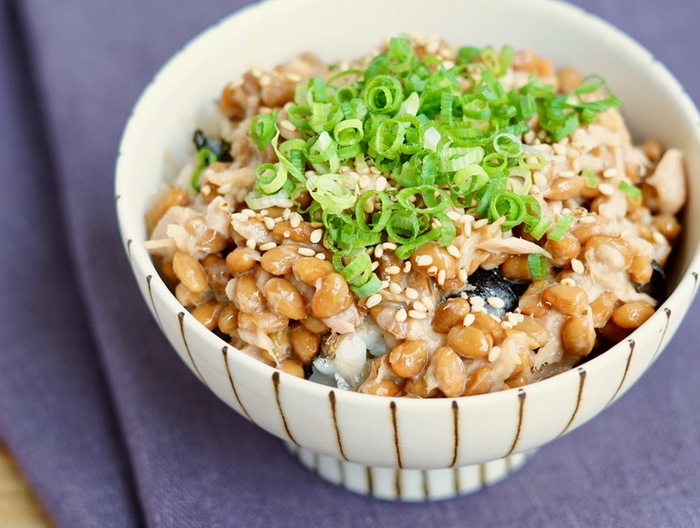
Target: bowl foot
408	485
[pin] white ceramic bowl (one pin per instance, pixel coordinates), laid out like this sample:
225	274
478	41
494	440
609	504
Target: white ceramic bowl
392	447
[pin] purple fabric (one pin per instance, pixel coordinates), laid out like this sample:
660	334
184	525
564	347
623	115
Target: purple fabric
111	427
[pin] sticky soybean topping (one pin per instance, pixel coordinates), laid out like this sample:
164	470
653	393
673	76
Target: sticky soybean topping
423	221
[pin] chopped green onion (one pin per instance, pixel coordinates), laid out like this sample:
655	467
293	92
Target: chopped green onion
539	229
206	157
630	190
508	205
563	225
537	264
592	181
335	192
372	286
507	145
262	129
439	141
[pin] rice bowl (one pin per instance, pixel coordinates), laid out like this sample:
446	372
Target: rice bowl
408	433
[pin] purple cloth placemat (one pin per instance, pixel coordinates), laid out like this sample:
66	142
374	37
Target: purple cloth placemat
55	411
194	462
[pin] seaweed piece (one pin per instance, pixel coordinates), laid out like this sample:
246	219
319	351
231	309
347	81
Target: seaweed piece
657	287
491	283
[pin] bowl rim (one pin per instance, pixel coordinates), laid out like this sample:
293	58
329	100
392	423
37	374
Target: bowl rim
130	229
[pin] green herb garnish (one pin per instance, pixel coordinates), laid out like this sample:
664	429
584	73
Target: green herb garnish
442	136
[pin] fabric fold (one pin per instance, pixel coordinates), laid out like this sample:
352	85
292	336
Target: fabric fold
55	411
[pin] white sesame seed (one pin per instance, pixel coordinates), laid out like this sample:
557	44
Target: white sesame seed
286	213
572	153
287	234
249	213
320	256
567	174
316	236
432	270
462	275
454	216
427	302
380	184
417	305
293	77
506	325
373	300
390	246
559	150
393	270
364	182
452	250
441	276
306	252
401	315
411	293
295	220
287	125
385	284
568	281
407	266
495	302
588	219
368	207
265	80
476	301
495	318
415	314
374	265
577	266
468	319
494	353
424	260
269	222
250	243
610	173
395	288
268	246
481	223
539	179
659	238
535	190
606	189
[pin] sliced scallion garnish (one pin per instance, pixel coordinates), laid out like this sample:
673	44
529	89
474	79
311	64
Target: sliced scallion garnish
441	135
630	190
537	264
561	228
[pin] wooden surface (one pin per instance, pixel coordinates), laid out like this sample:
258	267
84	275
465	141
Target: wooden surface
19	506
